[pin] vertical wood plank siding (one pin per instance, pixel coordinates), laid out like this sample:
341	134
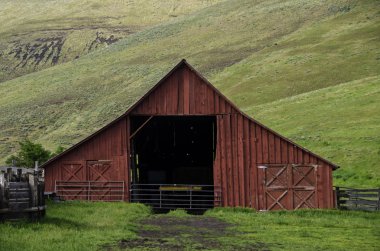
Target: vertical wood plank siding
107	145
242	143
188	97
241	180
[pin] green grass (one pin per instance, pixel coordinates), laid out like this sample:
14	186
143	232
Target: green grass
98	226
178	213
340	49
303	230
74	226
342	123
256	52
68	29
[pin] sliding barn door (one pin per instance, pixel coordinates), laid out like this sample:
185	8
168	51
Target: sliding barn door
288	187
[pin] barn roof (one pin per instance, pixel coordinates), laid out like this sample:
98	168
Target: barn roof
183	63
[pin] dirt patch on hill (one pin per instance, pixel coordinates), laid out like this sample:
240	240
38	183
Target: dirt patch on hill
183	233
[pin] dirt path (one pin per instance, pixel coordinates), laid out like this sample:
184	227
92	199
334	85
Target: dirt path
161	232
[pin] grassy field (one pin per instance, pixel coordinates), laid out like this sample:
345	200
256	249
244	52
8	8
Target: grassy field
303	230
264	55
74	226
38	34
114	226
341	123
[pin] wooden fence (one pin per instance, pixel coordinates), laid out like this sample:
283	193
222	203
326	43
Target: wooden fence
21	193
357	199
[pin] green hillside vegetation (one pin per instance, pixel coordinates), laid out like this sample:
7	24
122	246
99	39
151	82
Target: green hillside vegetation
36	34
264	55
342	123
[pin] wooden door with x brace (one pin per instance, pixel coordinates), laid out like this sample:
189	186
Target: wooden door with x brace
288	186
90	180
72	183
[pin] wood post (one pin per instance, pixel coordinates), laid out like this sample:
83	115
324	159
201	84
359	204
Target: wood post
2	184
337	204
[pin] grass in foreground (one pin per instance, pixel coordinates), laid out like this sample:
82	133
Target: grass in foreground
302	230
74	226
97	226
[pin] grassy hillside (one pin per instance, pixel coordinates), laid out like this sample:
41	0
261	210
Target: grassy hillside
343	47
342	123
36	34
256	52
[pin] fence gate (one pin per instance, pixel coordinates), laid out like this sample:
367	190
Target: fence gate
288	187
93	181
173	196
357	199
74	171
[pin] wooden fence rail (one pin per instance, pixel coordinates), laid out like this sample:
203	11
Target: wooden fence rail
357	199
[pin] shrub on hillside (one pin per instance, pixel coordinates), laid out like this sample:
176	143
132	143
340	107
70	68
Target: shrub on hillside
29	153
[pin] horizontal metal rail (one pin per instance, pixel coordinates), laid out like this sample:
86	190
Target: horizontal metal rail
171	196
90	190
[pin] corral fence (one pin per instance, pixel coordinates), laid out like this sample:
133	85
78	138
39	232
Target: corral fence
90	190
173	196
357	199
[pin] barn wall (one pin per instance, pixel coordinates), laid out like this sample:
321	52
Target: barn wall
110	145
183	93
242	146
242	143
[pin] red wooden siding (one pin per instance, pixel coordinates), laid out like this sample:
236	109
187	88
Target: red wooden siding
109	145
183	93
243	145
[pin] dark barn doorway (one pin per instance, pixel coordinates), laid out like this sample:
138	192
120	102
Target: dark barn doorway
172	160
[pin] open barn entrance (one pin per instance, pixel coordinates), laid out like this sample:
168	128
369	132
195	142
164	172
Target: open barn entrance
172	161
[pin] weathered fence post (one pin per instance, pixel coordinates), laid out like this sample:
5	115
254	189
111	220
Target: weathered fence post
2	183
337	205
9	174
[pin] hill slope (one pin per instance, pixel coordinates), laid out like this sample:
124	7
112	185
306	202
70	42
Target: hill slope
341	123
256	52
36	34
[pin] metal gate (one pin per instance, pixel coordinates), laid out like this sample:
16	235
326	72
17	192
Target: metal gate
173	196
289	187
72	172
90	190
93	181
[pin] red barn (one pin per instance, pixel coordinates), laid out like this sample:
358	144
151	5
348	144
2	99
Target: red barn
184	144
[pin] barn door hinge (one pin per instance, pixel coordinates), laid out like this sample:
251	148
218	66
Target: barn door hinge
262	167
